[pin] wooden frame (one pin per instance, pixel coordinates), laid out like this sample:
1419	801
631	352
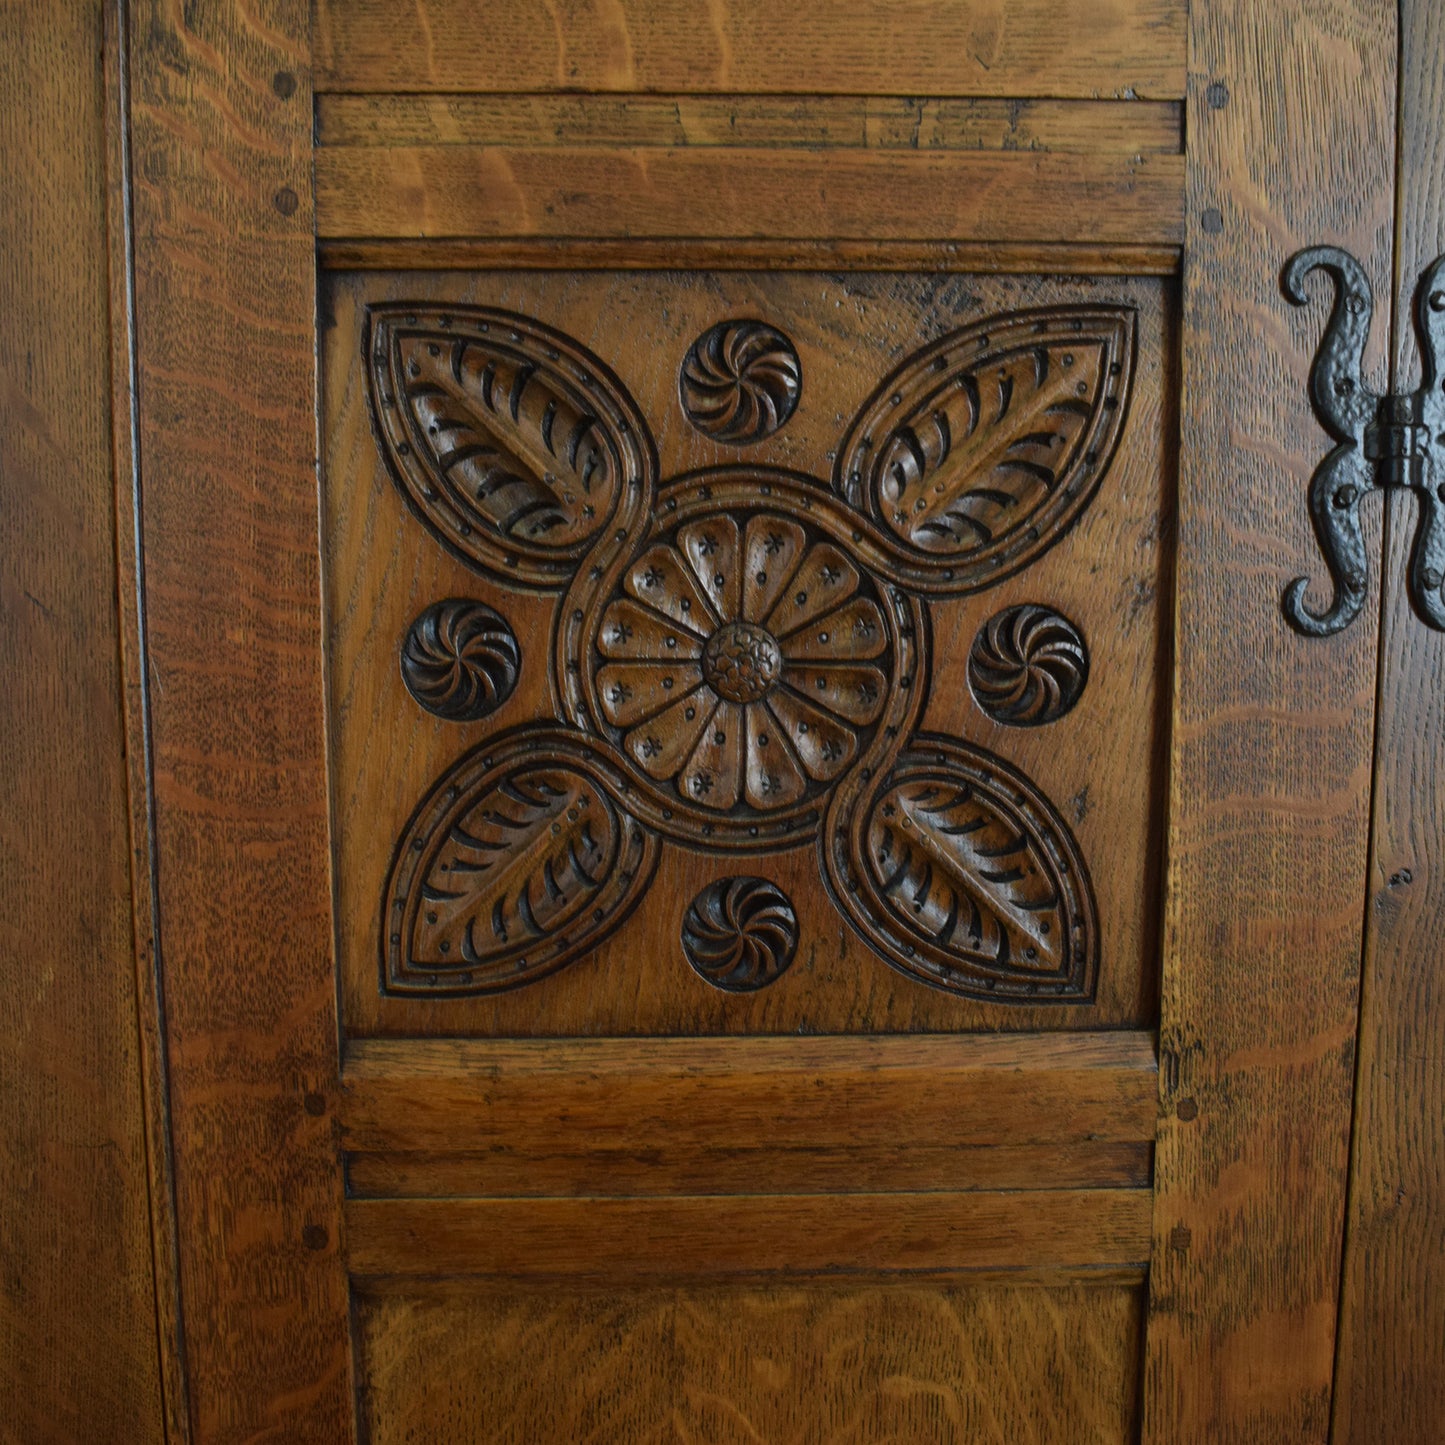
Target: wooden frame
1271	761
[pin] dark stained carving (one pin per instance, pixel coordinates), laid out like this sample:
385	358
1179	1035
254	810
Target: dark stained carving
1028	665
514	444
460	660
741	659
740	934
740	382
519	861
961	873
980	450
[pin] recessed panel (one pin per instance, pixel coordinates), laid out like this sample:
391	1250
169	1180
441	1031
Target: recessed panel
745	653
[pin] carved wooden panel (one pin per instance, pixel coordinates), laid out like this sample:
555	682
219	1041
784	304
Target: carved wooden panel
744	635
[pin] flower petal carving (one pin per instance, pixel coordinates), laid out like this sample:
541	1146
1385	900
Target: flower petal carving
962	873
982	449
514	444
518	861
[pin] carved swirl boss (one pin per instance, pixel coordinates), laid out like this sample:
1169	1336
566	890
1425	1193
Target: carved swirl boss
740	657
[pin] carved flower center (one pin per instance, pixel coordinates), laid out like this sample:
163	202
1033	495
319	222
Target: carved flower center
741	662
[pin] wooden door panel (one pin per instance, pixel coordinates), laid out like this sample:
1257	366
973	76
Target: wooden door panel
578	1062
1041	645
856	1363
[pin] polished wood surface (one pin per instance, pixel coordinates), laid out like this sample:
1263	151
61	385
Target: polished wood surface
224	307
438	191
79	1356
1061	48
885	122
1272	737
853	1364
698	1237
759	1093
1390	1382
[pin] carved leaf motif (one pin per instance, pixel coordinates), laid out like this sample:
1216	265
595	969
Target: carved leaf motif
980	450
513	443
954	869
962	874
505	880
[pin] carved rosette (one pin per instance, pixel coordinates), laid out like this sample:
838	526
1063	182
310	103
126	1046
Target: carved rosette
460	660
1028	665
741	659
740	382
740	934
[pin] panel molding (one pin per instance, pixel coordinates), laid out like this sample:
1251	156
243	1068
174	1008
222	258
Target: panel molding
933	1235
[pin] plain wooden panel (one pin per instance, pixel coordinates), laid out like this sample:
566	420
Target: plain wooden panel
852	1365
883	122
710	1094
1102	764
225	356
463	190
1272	740
690	1166
718	1236
78	1325
1391	1372
1079	48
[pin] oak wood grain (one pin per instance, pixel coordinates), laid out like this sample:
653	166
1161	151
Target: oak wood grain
982	47
716	1237
78	1327
858	121
696	1098
629	191
1271	741
1390	1381
853	1364
943	257
692	1166
224	308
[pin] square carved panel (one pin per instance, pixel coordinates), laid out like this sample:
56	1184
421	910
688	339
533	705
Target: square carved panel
743	652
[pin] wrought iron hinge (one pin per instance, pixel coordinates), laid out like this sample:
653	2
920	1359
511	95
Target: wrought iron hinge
1383	441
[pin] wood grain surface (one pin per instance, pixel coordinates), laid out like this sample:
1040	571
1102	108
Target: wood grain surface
963	195
1391	1357
225	307
731	1093
78	1329
708	1237
886	122
1271	742
850	1364
1074	48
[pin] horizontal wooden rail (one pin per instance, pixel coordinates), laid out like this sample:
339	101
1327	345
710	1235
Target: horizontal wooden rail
681	1166
750	1235
1070	259
577	191
1060	48
861	122
584	1096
